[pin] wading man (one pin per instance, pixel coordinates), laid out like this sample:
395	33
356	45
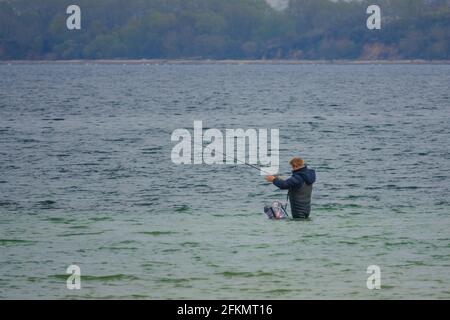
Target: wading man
300	186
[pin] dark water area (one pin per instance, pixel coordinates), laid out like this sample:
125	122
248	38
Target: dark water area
86	178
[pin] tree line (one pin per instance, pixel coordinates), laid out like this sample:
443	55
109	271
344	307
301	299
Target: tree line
224	29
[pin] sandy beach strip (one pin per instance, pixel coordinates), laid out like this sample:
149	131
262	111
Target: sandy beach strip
223	62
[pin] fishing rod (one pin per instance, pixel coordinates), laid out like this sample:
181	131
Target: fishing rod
232	158
249	165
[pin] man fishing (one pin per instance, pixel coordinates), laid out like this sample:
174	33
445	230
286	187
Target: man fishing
300	186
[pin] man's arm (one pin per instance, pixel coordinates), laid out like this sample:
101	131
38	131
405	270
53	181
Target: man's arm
292	182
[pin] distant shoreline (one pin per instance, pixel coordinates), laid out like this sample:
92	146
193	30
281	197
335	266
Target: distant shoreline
225	62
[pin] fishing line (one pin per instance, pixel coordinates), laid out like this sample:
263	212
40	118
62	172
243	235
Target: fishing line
232	158
247	164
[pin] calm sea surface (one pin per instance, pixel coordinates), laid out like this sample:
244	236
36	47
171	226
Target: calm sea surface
86	179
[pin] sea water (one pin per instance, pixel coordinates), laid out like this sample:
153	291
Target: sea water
86	179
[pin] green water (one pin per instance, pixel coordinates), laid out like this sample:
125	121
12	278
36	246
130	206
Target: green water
86	179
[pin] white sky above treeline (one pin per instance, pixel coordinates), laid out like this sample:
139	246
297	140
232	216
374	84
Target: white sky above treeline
278	4
283	4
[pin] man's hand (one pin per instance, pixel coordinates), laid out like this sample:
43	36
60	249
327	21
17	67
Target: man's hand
270	178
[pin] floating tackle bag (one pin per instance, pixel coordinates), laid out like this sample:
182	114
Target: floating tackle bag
276	211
